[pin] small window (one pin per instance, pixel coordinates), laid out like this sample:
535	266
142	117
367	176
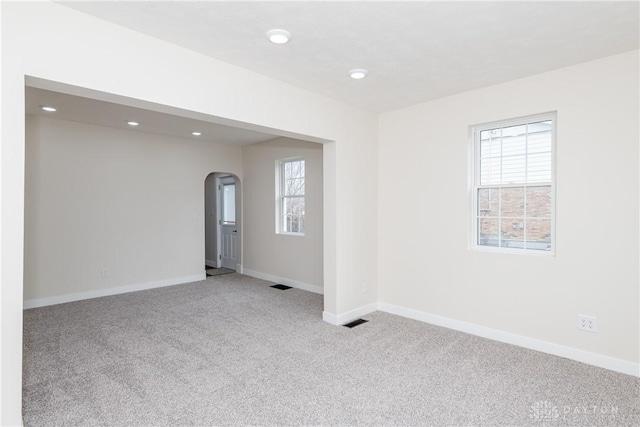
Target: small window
229	204
291	196
513	195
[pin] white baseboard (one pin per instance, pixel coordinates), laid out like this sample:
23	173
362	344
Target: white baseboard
330	318
276	279
589	358
341	319
239	269
61	299
210	263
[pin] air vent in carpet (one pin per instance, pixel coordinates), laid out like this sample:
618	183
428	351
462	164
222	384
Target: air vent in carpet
355	323
281	287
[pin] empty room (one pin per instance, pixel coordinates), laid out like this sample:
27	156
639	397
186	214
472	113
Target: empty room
320	213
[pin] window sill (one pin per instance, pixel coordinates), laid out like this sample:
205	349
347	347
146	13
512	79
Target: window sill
290	234
509	251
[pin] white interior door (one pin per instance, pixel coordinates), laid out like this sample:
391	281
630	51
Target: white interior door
227	221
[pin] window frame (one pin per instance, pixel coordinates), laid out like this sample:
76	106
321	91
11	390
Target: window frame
281	197
474	181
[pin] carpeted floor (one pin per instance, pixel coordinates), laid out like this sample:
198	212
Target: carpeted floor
233	351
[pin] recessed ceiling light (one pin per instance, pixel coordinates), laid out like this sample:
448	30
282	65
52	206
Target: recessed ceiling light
358	73
48	108
196	133
133	123
278	36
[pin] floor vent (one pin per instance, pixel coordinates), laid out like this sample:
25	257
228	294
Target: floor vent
281	287
355	323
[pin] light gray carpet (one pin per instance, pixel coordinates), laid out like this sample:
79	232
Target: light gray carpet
233	351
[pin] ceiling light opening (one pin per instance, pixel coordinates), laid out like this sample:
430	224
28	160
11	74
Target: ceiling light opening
358	73
133	123
278	36
196	133
48	108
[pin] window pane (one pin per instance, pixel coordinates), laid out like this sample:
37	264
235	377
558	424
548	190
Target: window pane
512	233
229	203
513	170
288	223
487	232
294	187
295	206
539	167
294	169
539	234
293	213
539	202
512	202
518	131
539	138
514	140
490	143
490	171
488	203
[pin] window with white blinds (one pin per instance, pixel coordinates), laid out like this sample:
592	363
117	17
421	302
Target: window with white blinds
514	185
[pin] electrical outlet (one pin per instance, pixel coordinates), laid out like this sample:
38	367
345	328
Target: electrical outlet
105	272
587	323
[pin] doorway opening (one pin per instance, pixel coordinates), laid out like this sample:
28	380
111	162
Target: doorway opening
222	224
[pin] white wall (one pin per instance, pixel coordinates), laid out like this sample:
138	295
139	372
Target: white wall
297	259
425	262
49	41
129	201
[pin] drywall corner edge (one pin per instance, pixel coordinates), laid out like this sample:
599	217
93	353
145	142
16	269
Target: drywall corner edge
341	319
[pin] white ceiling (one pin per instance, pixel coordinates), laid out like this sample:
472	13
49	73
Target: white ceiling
102	113
415	51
